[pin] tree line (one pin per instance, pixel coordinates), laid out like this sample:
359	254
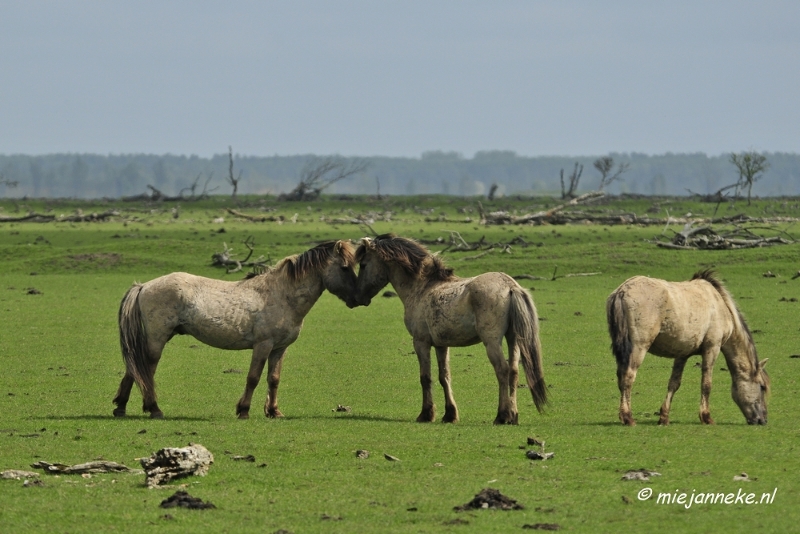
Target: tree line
436	172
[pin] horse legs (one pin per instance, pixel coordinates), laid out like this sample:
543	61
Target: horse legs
259	359
506	412
709	357
450	408
674	384
123	394
428	412
149	403
625	379
273	379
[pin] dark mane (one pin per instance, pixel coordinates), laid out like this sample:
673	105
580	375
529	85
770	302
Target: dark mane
710	276
300	265
415	259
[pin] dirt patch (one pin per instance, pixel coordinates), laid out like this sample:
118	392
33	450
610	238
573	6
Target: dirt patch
492	499
100	258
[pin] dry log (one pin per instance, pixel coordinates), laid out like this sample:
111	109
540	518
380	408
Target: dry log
170	463
503	217
256	218
97	466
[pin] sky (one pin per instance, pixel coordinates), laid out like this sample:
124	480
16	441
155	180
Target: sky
399	78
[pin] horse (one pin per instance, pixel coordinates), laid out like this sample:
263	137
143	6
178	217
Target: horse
679	320
263	312
443	310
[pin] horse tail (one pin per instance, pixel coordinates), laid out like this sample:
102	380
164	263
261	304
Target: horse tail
133	340
621	344
524	324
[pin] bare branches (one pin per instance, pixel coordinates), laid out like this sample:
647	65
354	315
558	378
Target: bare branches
574	178
751	167
226	258
231	180
318	175
605	165
706	238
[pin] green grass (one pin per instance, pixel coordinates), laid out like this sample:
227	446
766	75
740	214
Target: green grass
61	367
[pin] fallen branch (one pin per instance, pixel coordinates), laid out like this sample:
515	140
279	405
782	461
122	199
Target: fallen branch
79	216
232	265
255	218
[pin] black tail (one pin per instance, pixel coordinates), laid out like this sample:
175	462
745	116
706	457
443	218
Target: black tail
133	340
525	328
621	344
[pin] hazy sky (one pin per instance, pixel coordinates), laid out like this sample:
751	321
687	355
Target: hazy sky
399	78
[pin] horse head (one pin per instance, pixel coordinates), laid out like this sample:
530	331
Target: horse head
373	273
339	277
751	393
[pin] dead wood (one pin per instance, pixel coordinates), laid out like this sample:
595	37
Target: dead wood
503	217
256	218
78	216
706	238
232	265
97	466
170	463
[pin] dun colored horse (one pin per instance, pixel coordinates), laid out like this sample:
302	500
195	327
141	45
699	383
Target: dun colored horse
679	320
443	310
263	312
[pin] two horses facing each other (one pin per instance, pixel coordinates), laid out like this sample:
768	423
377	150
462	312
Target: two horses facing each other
263	312
679	320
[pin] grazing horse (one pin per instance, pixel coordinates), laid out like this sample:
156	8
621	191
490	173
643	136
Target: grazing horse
679	320
443	310
263	312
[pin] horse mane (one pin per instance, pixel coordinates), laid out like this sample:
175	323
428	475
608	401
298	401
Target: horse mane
313	259
415	259
710	276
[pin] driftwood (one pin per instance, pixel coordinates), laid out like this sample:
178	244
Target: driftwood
706	238
97	466
78	216
256	218
226	258
170	463
503	217
17	474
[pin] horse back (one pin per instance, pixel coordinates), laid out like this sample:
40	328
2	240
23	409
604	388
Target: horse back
465	311
674	319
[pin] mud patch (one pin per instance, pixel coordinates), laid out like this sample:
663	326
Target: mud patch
490	499
184	500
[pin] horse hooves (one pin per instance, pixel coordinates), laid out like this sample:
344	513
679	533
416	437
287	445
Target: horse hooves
243	415
706	419
273	413
119	413
156	415
663	421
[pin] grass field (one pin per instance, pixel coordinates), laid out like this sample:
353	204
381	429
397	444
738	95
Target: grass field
61	366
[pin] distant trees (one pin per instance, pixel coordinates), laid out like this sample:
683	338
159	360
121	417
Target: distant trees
751	167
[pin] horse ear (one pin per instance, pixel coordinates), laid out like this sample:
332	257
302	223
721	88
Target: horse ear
367	242
762	363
